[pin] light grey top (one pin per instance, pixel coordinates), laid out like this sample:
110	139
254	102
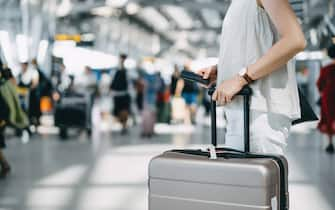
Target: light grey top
247	34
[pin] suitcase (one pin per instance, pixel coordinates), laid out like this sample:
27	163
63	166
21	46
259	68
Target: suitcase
74	110
219	178
148	121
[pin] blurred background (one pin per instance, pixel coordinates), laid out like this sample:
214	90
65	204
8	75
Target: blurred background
99	94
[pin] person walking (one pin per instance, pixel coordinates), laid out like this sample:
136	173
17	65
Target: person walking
120	89
326	87
189	91
259	40
29	79
10	114
174	80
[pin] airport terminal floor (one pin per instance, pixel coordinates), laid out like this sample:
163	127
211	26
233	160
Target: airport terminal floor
109	170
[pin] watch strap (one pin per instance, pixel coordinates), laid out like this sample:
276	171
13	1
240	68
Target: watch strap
247	78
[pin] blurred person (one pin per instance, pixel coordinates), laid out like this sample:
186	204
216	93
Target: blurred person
151	88
174	79
44	89
139	88
259	39
62	81
162	101
45	85
28	79
120	90
63	78
87	81
326	86
189	91
302	79
11	114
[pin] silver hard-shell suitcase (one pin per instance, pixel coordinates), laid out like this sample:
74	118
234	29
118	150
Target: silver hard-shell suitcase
226	180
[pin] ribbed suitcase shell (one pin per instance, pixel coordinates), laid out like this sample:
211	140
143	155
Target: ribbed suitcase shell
192	182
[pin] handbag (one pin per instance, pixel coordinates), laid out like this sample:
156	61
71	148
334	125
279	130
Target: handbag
307	113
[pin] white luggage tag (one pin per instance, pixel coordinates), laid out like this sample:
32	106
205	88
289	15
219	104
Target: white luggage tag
212	153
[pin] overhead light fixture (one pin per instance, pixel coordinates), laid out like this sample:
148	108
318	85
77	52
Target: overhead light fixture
22	43
42	51
179	15
64	8
7	49
88	37
116	3
310	55
153	17
132	8
103	11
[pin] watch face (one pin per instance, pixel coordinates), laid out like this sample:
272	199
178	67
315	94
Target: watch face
243	71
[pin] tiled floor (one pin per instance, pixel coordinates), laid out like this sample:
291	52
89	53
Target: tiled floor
109	172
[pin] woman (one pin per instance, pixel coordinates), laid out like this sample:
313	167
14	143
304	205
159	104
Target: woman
119	87
259	39
327	91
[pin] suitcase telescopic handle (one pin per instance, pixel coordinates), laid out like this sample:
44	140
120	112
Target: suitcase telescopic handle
246	92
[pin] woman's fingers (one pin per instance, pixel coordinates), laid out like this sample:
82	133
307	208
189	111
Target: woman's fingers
207	73
200	72
229	98
222	97
215	96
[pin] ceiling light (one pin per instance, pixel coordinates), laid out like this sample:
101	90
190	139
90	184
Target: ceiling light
179	15
132	8
116	3
64	8
154	18
103	11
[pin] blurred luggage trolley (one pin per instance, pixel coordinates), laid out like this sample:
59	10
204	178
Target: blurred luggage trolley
73	111
219	178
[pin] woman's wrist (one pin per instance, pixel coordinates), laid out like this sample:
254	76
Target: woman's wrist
241	81
245	76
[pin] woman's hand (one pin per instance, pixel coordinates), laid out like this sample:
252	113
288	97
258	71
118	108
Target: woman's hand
209	73
228	89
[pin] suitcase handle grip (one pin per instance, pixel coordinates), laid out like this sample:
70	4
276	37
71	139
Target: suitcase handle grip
246	92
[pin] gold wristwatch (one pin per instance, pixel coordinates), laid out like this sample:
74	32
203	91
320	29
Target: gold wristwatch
244	74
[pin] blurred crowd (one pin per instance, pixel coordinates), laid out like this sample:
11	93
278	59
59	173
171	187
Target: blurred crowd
144	98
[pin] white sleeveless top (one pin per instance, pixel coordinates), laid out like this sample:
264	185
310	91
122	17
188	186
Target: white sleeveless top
247	34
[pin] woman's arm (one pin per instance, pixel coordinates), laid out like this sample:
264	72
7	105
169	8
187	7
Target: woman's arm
179	87
291	41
